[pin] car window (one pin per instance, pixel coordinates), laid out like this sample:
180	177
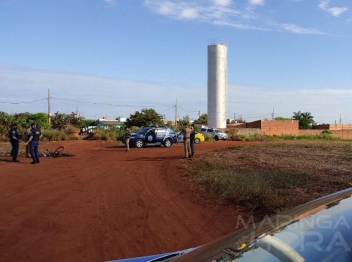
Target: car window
161	132
143	130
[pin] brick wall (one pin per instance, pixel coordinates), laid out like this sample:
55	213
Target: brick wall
334	127
290	127
280	127
344	134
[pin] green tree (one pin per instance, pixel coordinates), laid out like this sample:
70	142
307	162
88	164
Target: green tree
60	120
147	117
185	120
41	119
281	118
203	119
5	122
305	119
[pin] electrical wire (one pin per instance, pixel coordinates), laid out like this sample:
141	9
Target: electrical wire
26	102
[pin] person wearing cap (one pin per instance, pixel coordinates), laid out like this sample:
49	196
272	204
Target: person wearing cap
34	136
15	142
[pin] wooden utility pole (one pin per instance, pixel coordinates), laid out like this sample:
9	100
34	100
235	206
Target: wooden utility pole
49	109
176	114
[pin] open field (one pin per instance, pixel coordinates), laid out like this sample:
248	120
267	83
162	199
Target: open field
105	204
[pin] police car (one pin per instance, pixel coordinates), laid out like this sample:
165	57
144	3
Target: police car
153	136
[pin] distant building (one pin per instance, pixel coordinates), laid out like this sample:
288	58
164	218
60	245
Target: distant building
104	123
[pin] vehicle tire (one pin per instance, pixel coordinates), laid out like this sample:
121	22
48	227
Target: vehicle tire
139	143
58	151
167	143
216	138
196	140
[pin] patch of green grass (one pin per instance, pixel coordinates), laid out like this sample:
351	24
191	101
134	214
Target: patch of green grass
267	191
275	176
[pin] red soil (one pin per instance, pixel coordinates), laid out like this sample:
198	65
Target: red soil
105	204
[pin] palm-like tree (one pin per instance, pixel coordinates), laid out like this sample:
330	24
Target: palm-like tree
305	119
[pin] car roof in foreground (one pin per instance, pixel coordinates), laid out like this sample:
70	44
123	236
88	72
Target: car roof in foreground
320	230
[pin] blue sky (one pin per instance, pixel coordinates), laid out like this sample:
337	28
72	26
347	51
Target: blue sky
110	58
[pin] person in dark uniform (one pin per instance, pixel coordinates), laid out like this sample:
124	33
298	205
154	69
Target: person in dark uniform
15	142
192	137
34	136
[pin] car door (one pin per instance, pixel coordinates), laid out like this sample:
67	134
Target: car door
150	137
180	137
160	135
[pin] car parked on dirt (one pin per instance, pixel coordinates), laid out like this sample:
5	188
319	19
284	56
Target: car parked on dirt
153	136
320	230
216	133
198	138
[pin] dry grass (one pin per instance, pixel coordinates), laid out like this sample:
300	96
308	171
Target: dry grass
274	176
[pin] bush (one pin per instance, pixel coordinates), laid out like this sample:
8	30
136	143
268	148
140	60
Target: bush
208	137
109	134
54	135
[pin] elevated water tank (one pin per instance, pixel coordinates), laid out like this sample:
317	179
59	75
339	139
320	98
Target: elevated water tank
217	83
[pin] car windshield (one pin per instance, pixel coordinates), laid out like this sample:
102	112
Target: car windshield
143	130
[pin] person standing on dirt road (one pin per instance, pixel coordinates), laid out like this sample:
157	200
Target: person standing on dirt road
127	138
15	142
34	136
186	141
26	137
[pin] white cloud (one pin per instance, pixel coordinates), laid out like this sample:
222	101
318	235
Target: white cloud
110	2
299	30
222	2
334	11
257	2
223	13
74	91
189	13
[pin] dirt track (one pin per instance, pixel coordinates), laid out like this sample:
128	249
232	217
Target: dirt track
104	204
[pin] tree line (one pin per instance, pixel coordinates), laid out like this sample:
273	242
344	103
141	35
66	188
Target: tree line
145	117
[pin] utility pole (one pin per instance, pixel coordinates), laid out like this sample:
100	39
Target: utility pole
176	114
49	109
273	115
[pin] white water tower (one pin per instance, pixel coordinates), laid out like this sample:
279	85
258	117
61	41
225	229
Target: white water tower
217	83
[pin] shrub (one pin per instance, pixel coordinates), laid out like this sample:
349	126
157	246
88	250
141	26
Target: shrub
54	135
232	134
208	137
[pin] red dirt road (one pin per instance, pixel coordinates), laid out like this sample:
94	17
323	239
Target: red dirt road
104	204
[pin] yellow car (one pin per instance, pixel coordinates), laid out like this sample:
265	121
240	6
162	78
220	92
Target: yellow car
198	138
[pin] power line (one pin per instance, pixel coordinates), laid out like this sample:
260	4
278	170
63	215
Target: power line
106	104
27	102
